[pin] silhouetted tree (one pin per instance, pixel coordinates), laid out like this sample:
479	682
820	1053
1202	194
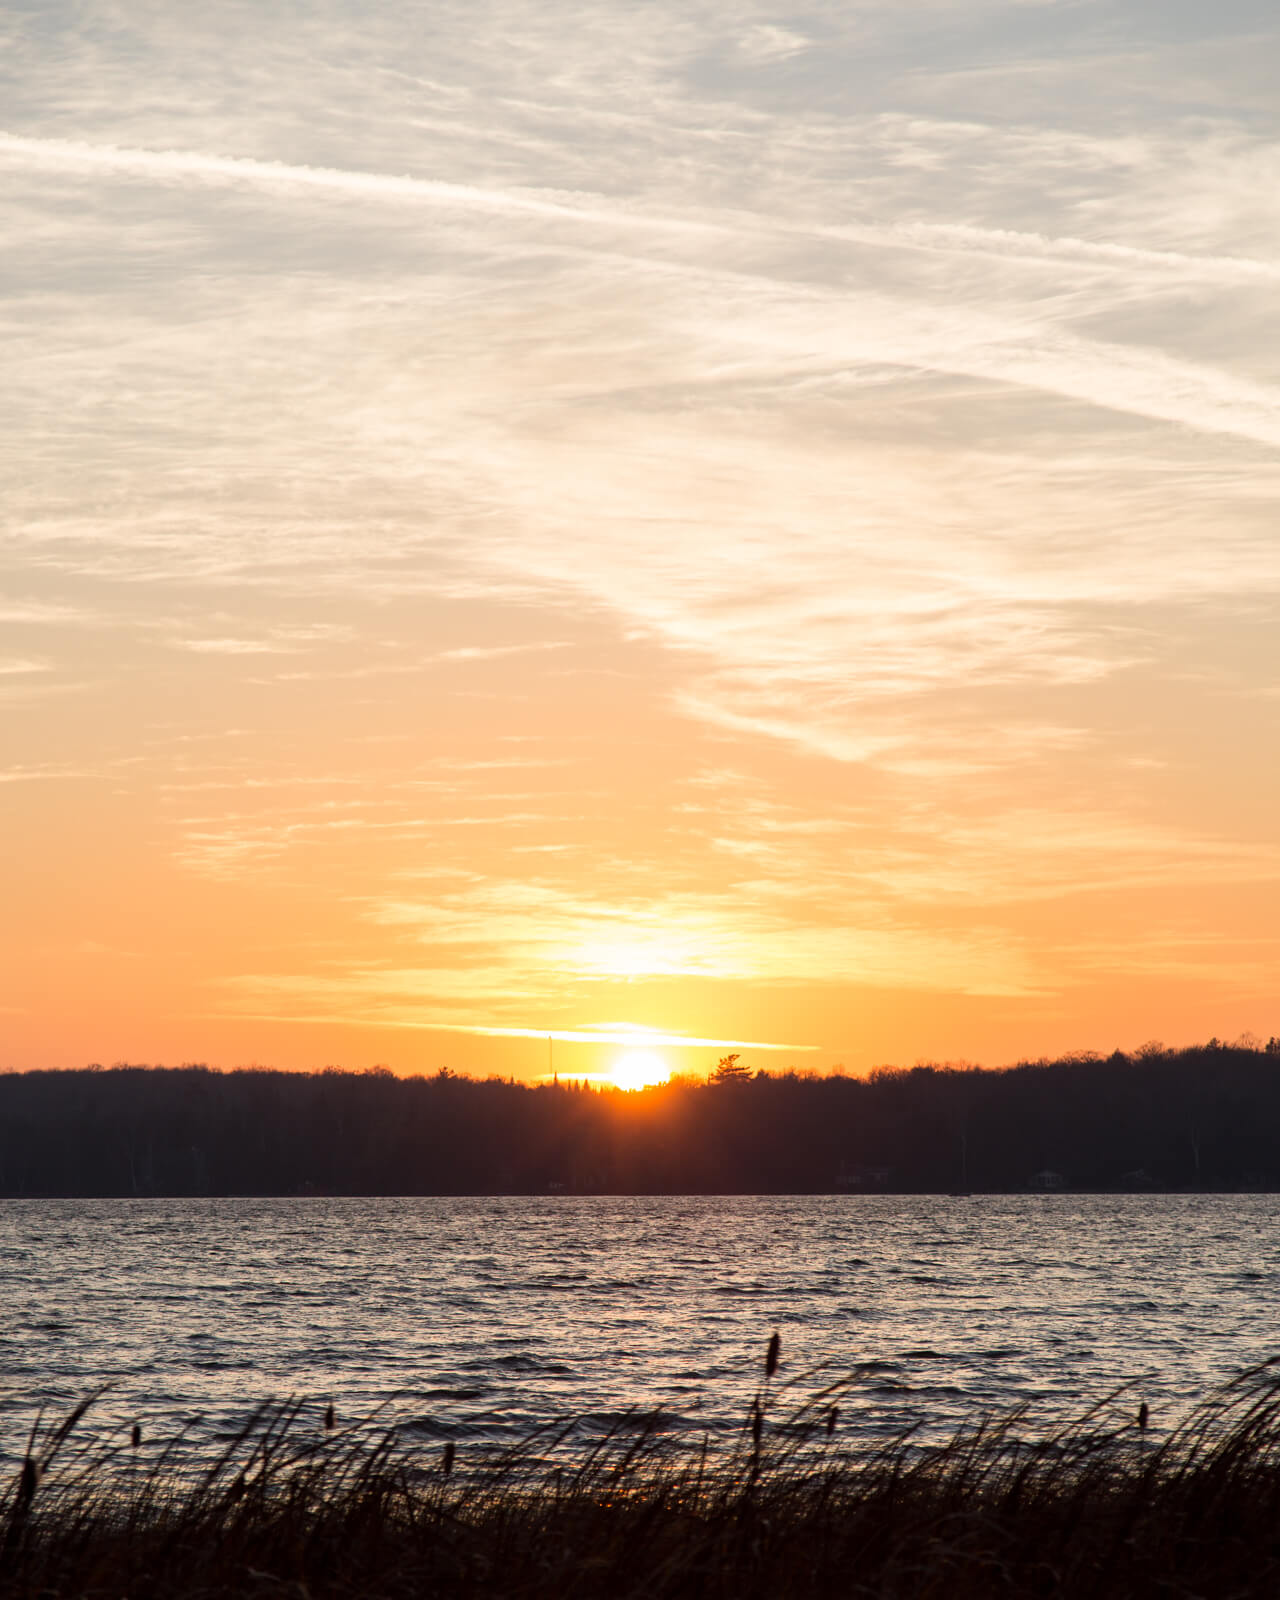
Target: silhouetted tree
729	1069
1207	1117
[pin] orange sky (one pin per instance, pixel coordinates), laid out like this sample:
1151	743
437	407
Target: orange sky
550	523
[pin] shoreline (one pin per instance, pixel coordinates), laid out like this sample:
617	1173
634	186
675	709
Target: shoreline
1100	1507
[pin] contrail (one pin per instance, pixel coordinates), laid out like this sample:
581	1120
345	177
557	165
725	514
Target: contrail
64	154
942	237
1113	376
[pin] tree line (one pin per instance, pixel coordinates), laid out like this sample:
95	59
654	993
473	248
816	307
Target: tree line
1206	1117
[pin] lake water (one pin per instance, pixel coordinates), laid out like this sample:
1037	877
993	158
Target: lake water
477	1319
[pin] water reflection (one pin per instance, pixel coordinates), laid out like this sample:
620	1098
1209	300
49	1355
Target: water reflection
480	1318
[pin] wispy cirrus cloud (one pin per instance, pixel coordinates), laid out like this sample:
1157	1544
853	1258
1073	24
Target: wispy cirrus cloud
875	408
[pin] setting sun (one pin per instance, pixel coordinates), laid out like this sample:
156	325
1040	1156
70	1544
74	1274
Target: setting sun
833	659
639	1069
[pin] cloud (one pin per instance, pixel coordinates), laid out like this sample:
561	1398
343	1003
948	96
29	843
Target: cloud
231	647
498	652
618	1033
876	409
168	166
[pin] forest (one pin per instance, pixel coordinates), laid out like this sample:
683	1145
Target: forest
1206	1117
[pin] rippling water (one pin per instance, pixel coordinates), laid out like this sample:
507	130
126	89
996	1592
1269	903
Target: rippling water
479	1318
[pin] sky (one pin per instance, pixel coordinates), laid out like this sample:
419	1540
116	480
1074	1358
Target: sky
754	524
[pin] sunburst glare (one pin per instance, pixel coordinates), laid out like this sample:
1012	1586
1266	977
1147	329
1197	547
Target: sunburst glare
639	1069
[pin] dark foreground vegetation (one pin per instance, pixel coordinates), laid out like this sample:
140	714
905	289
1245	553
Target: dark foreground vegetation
1201	1118
1091	1511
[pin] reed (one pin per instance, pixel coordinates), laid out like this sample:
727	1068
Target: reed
297	1501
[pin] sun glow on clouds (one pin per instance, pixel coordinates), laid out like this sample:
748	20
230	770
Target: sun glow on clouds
695	512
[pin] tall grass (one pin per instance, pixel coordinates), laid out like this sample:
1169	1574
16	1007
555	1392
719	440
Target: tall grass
299	1503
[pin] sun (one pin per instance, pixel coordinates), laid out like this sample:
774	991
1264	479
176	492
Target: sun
639	1069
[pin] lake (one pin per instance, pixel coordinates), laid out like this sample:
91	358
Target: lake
478	1319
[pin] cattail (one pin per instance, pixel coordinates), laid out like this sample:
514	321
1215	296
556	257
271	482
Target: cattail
833	1416
771	1356
446	1460
1144	1416
757	1423
330	1416
28	1478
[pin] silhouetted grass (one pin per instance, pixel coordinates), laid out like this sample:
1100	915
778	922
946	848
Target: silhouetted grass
297	1503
